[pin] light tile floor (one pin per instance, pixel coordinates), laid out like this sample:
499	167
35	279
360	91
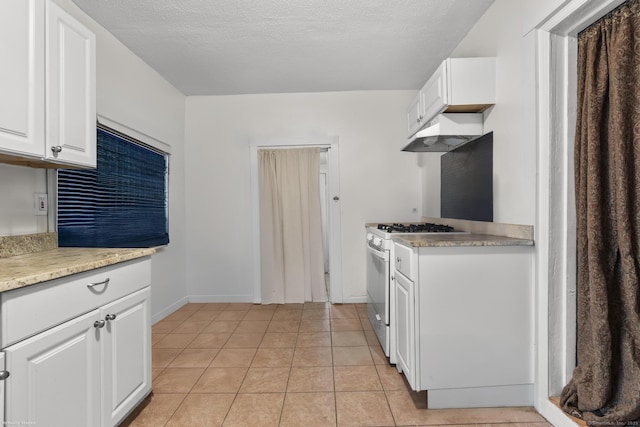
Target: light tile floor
299	365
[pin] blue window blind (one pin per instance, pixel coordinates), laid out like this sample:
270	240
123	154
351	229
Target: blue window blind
120	204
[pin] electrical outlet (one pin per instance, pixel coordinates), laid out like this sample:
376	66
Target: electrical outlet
40	203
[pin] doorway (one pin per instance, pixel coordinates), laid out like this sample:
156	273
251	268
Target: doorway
330	207
324	203
555	225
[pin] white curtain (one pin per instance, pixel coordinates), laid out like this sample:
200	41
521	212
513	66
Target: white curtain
291	253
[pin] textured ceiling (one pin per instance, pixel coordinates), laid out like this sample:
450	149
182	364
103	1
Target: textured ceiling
220	47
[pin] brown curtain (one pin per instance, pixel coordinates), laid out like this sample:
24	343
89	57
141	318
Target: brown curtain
605	388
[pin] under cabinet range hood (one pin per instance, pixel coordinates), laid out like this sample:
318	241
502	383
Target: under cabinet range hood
447	111
446	132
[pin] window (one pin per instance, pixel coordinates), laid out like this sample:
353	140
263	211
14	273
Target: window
122	203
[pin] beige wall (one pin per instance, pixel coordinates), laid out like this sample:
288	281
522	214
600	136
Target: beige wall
534	11
17	185
131	93
378	182
498	33
212	178
134	95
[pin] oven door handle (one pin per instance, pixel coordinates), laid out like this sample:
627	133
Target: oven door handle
383	255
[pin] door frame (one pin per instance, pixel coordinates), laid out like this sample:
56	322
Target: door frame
556	65
333	208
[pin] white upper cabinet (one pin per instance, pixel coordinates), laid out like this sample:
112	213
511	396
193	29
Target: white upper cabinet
435	93
48	103
71	90
414	114
22	77
459	85
471	84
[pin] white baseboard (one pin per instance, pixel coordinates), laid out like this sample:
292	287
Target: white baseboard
221	298
225	298
354	300
482	397
553	414
156	317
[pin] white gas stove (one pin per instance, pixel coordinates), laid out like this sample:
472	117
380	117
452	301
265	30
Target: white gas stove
379	295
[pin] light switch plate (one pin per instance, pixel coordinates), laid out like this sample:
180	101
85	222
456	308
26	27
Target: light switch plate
40	203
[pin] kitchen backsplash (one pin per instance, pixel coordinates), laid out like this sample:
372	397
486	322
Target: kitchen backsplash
27	243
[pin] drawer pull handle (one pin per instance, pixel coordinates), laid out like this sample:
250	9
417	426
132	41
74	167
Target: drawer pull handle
105	282
99	324
4	375
110	317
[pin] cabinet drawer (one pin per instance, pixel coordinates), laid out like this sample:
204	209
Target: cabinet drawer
404	261
33	309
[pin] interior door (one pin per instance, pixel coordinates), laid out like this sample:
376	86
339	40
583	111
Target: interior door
324	195
333	209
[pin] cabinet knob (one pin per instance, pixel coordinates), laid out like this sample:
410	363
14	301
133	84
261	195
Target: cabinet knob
4	375
398	259
99	324
418	120
56	149
110	317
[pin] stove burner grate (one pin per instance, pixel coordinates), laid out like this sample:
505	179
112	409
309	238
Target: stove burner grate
425	227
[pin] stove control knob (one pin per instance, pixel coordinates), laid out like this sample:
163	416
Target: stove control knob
377	241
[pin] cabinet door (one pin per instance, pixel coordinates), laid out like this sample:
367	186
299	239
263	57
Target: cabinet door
2	388
71	95
435	93
22	77
126	350
405	327
55	376
414	115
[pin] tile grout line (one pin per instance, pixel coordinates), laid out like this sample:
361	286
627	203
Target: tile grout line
331	331
199	377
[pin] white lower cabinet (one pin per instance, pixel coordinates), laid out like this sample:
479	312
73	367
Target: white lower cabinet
405	327
126	357
464	324
91	370
3	373
55	376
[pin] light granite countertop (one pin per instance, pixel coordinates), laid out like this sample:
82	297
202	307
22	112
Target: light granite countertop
452	240
29	269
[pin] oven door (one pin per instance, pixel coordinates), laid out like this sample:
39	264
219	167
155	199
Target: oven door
378	293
